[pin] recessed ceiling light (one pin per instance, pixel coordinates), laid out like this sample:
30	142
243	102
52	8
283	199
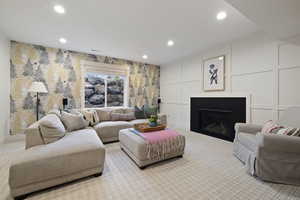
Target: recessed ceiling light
221	15
221	57
59	9
63	40
145	56
170	43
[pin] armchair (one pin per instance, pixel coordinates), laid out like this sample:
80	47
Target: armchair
270	157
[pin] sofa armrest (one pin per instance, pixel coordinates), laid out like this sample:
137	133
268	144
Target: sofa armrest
162	119
278	143
247	128
33	135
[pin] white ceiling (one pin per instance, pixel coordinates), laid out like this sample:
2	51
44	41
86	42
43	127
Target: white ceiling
280	18
125	29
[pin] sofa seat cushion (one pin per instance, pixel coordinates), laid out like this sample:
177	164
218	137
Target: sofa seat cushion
138	121
110	129
248	140
77	151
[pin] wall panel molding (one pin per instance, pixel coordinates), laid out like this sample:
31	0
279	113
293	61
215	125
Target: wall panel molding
264	68
252	73
281	68
262	107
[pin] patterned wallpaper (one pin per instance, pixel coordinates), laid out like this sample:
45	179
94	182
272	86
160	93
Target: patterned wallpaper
60	70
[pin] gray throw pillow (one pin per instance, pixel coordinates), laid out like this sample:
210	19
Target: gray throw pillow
73	122
139	112
51	128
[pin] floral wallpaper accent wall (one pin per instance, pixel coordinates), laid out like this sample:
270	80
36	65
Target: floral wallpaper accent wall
60	70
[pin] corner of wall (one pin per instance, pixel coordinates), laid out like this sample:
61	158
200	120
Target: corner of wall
4	86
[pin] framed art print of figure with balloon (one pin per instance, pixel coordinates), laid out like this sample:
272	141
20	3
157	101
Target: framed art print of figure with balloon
214	73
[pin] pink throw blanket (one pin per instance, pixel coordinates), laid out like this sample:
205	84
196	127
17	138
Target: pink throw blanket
159	136
161	144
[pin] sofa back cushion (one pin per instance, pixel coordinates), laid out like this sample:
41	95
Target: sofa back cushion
52	129
91	116
104	114
73	121
122	116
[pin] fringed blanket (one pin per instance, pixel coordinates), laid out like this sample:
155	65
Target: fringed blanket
160	144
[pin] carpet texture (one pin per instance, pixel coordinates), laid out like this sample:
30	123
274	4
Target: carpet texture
208	170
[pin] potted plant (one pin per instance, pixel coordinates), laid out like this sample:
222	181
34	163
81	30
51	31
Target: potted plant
153	120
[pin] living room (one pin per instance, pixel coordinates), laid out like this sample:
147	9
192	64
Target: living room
150	100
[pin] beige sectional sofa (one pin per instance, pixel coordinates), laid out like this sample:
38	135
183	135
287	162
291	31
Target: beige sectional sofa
108	130
76	155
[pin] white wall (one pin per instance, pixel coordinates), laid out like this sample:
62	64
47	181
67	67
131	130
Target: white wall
4	86
266	69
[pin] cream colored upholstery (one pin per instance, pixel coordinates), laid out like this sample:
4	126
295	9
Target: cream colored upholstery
136	148
78	154
109	131
270	157
51	128
33	136
54	163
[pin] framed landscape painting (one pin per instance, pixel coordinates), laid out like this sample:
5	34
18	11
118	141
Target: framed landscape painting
213	74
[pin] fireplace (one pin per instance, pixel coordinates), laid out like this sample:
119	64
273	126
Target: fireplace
216	116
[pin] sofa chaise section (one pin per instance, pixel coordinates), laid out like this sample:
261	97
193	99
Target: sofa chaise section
78	154
108	131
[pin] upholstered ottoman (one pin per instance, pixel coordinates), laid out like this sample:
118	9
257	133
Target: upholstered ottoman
136	147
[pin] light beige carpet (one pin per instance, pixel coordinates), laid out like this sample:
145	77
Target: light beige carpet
208	170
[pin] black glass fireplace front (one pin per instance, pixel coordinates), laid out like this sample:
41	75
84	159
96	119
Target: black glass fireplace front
216	116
